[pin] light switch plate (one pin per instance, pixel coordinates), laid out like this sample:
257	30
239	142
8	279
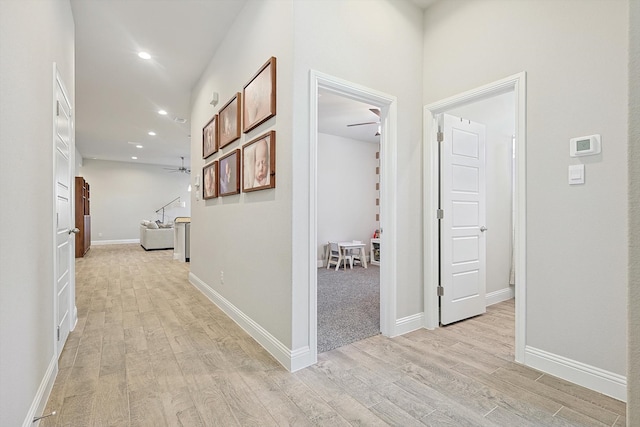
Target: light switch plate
576	174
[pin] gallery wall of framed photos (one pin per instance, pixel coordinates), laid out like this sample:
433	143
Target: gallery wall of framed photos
230	169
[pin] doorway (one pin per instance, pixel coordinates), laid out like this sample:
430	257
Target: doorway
514	85
348	211
388	107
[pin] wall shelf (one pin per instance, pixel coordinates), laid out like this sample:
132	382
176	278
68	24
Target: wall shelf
375	251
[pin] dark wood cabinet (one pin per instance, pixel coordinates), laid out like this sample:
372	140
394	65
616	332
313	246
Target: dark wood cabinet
83	216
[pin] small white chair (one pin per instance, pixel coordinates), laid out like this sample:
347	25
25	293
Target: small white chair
336	257
356	253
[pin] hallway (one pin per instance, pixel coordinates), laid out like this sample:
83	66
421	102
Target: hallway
151	350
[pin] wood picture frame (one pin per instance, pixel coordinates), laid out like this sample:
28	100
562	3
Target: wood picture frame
259	96
229	173
259	163
210	180
210	137
229	121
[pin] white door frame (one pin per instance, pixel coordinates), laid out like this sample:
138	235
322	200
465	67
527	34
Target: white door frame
388	173
517	84
73	311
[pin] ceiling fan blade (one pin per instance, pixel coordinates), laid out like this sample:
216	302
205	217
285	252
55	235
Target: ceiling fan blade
375	111
360	124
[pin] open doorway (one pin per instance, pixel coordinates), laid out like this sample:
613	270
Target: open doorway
387	105
348	201
475	102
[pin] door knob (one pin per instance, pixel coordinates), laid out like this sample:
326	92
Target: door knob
74	230
483	228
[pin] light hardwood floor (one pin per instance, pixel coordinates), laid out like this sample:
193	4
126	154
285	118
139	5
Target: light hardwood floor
151	350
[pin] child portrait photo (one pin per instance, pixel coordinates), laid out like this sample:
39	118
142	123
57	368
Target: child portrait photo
209	177
259	163
229	174
210	137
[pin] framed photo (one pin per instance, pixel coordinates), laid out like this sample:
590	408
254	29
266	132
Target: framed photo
260	96
210	137
229	117
209	180
259	163
229	174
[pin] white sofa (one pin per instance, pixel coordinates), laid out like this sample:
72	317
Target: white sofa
158	238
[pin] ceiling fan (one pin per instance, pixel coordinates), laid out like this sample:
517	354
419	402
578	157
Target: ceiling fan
375	111
181	169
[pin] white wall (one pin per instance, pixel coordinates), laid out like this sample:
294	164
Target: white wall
33	34
255	227
346	190
577	84
382	50
633	376
269	283
498	115
123	194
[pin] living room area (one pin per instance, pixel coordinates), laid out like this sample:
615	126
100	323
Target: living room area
136	203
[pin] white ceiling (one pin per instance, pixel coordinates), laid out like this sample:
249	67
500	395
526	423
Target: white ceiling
335	112
118	94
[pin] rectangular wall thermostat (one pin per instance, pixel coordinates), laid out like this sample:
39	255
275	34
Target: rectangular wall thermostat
584	146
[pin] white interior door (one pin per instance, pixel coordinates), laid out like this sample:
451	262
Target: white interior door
64	253
462	227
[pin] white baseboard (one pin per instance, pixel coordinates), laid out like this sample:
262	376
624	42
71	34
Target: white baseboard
114	242
291	360
408	324
499	296
597	379
42	395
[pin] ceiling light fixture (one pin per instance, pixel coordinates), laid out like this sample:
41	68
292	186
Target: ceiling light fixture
138	146
144	55
152	133
179	120
134	158
162	112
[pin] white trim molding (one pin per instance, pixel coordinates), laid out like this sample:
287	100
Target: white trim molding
291	360
408	324
388	201
588	376
501	295
113	242
42	395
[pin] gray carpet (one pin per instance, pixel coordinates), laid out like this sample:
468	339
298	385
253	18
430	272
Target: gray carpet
348	306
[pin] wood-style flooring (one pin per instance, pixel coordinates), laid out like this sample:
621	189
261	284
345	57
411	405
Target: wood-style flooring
150	350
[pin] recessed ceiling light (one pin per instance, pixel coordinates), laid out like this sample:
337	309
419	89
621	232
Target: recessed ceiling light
162	112
152	133
179	120
144	55
139	146
134	158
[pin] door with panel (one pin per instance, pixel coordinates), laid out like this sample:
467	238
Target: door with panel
64	228
463	218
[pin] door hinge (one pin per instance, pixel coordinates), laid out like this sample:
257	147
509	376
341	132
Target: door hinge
440	136
440	291
58	333
58	108
440	213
